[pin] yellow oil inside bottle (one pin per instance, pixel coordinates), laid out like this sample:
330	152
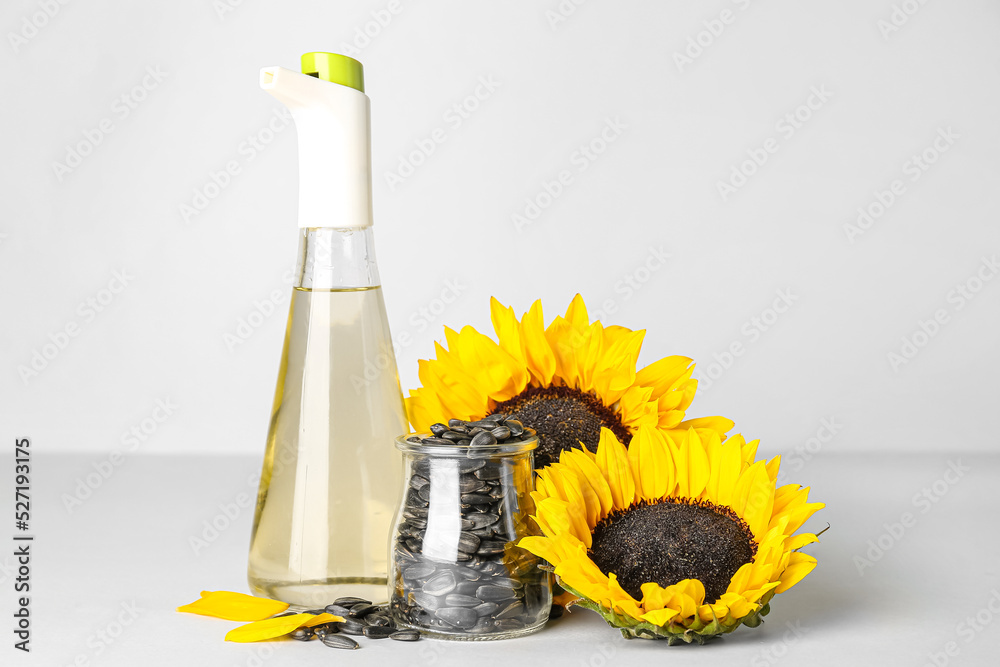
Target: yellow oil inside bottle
330	482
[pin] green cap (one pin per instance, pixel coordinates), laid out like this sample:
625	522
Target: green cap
334	68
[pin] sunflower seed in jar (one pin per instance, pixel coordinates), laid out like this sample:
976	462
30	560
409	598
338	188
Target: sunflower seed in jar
489	473
485	608
501	433
460	617
339	641
469	484
452	435
484	439
504	624
467	587
439	429
512	610
491	593
491	547
427	601
468	543
452	423
459	600
418	571
467	466
516	427
437	441
417	482
442	584
482	520
405	635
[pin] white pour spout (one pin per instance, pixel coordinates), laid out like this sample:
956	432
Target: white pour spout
333	125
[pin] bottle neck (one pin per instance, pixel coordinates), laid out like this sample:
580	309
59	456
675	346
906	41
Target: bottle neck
332	258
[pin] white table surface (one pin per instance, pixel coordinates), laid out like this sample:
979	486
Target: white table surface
124	555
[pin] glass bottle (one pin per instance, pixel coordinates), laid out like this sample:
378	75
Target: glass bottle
330	479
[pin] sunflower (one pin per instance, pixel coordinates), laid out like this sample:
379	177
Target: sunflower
567	381
677	538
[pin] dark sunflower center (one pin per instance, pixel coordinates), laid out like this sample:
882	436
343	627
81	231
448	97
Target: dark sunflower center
563	418
670	541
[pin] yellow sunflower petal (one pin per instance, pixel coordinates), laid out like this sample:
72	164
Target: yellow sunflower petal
737	605
585	465
508	332
612	459
730	466
273	628
720	425
636	409
590	498
651	469
799	565
541	359
797	542
660	616
234	606
696	462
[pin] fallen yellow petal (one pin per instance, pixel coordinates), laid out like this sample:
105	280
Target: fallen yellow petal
272	628
234	606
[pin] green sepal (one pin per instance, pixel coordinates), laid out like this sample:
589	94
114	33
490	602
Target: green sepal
698	632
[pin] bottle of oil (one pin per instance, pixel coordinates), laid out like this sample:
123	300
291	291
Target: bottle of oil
330	478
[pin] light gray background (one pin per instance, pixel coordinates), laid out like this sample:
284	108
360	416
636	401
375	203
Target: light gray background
818	385
655	186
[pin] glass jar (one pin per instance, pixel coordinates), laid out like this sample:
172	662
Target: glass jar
455	572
